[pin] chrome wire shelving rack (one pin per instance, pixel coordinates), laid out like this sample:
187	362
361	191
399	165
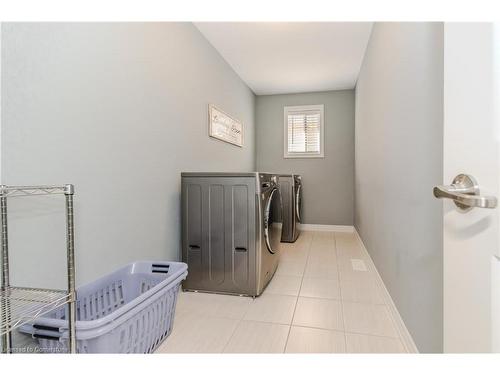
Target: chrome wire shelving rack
20	305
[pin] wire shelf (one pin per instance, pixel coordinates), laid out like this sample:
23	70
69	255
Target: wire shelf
17	191
21	305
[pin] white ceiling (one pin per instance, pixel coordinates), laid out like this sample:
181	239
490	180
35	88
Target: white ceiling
290	57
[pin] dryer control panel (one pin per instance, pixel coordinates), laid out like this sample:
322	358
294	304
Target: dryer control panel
267	181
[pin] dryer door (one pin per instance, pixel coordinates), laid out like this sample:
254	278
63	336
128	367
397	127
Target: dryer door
272	228
298	203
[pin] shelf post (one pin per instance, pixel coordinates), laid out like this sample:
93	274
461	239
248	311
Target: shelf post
70	241
6	338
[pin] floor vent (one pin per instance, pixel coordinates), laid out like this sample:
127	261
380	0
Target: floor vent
358	265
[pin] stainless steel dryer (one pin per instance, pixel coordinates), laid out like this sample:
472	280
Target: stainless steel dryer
291	192
230	239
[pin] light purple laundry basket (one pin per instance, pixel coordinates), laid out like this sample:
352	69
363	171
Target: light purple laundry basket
128	311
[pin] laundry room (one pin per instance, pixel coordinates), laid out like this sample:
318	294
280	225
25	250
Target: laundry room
234	187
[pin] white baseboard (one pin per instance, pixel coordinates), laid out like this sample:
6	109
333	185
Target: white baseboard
326	228
404	334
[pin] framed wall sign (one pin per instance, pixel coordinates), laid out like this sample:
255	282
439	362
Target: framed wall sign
224	127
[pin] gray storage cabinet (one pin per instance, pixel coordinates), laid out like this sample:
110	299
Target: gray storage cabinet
218	233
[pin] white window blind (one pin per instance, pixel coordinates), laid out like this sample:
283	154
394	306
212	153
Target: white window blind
303	131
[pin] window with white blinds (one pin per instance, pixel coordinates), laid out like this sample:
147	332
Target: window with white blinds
304	131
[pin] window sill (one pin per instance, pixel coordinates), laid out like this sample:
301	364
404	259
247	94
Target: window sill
304	156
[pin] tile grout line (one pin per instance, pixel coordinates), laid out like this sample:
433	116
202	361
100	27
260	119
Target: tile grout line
236	327
351	301
340	289
351	332
231	337
382	289
257	321
323	329
298	295
371	269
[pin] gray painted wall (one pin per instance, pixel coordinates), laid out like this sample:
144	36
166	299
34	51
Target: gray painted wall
119	110
329	181
399	158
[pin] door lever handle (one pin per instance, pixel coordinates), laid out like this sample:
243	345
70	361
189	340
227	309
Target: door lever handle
464	191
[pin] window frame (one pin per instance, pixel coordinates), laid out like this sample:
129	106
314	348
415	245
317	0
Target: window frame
304	108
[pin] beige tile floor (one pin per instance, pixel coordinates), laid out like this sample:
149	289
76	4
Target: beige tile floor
324	298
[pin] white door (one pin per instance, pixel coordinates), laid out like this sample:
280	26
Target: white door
471	146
